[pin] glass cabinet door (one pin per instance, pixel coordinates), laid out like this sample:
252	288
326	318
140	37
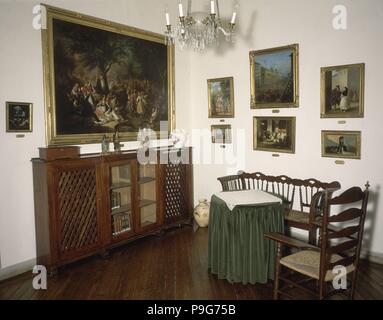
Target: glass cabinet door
121	199
147	195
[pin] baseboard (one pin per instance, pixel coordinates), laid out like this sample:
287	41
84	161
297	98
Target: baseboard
17	269
372	256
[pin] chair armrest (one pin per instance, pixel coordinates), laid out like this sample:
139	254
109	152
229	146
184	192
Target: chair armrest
290	242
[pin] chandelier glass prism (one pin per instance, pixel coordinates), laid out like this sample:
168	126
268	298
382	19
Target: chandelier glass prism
199	30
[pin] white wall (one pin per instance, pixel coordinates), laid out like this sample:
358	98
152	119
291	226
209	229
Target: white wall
262	24
272	23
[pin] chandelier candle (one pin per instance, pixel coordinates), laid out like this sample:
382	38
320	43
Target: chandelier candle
181	10
167	17
212	7
233	18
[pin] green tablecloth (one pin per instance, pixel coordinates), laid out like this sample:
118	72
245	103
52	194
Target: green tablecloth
238	250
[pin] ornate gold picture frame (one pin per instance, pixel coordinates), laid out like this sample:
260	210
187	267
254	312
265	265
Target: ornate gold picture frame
342	91
101	77
274	78
18	116
221	97
341	144
274	134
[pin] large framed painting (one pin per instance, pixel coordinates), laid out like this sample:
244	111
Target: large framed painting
102	77
342	91
274	134
341	144
274	80
221	97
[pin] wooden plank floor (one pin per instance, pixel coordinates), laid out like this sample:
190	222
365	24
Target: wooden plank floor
173	266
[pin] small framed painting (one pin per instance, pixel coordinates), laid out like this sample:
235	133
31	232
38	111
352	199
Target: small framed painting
221	97
18	117
274	77
341	144
221	134
274	134
342	91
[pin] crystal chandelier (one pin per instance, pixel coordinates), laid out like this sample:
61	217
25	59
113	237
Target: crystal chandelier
199	30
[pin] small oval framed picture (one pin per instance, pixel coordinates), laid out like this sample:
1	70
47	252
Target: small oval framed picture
18	116
341	144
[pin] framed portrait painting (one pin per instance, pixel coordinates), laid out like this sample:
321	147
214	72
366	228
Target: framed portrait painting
102	77
18	117
342	91
274	81
341	144
274	134
221	97
221	134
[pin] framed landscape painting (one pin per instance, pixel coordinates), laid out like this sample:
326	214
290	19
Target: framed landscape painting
342	91
18	116
221	97
221	134
274	77
102	77
274	134
341	144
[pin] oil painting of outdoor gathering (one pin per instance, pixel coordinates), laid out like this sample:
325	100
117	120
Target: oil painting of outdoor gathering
274	78
275	134
342	91
107	81
221	98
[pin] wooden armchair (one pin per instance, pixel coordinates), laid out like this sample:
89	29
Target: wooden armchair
338	247
309	206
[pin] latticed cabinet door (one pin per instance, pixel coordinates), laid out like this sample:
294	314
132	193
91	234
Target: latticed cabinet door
177	192
77	223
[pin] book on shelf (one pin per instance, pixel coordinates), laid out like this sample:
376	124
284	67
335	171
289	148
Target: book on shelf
115	200
121	223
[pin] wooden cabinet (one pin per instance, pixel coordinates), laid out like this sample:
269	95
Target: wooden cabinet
90	204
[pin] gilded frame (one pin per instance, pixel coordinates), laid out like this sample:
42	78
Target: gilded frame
256	145
227	128
52	138
295	77
8	105
360	112
357	134
231	112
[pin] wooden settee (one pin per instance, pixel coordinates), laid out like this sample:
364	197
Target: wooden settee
303	216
